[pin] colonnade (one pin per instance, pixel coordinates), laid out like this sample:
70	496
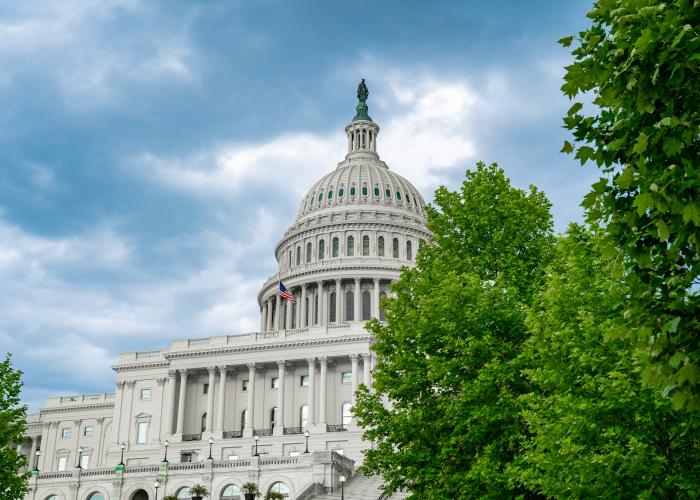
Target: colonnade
216	425
279	314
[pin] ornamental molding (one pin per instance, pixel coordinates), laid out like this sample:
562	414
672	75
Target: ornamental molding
136	366
64	409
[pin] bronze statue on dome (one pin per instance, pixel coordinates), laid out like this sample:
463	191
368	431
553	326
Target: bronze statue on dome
362	91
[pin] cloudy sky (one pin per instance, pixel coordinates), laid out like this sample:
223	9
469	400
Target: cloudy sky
152	153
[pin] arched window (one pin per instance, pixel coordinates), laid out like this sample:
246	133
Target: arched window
388	193
244	419
273	417
398	196
408	199
204	419
320	197
409	250
349	306
380	246
331	308
350	250
376	191
330	195
231	492
281	488
364	190
298	255
352	191
308	252
335	247
365	245
183	492
346	412
94	496
395	248
382	295
289	260
341	192
316	302
321	249
303	416
366	305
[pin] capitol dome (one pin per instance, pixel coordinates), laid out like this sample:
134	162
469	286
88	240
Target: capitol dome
355	229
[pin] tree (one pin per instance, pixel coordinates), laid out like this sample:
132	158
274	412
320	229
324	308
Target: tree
447	357
640	60
13	485
596	431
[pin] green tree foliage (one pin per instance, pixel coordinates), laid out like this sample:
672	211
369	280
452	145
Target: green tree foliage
13	485
447	357
596	431
640	61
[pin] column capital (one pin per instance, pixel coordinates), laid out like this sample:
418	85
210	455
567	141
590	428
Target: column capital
131	383
183	372
367	356
311	361
100	420
304	285
251	366
357	280
281	363
376	280
211	370
354	357
222	369
323	360
120	384
161	380
172	373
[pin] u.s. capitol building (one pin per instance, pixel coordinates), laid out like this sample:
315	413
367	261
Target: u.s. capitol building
272	407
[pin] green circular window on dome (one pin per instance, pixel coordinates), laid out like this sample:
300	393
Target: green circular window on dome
320	196
398	196
341	192
330	195
376	191
364	190
388	193
352	191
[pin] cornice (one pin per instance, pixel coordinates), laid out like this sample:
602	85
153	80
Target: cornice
136	366
64	409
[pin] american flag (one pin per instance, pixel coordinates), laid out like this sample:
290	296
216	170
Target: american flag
284	293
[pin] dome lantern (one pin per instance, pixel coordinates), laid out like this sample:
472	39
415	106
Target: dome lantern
362	131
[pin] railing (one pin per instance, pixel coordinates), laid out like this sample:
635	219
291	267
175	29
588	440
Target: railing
225	464
97	472
198	342
83	398
336	427
55	475
191	437
233	434
292	430
279	460
262	432
187	466
132	469
148	354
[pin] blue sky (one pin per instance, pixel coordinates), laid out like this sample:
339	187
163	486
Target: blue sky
152	153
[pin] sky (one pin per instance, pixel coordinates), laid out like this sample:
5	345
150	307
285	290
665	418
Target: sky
153	153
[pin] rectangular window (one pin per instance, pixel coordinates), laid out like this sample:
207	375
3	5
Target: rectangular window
141	432
347	377
185	457
205	389
233	457
275	383
85	461
244	385
87	431
61	464
146	393
304	380
65	432
294	453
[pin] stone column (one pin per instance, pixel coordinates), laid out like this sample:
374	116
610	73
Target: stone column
321	307
279	425
118	403
170	401
312	390
353	361
288	321
358	302
375	302
180	425
45	444
338	311
222	400
263	317
99	452
210	399
322	420
303	323
126	432
249	425
278	313
268	318
366	361
32	452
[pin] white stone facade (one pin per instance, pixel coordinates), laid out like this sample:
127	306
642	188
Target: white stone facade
234	408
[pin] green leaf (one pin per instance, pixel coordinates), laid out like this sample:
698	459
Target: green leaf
574	109
672	326
567	148
690	213
566	41
643	41
643	202
663	230
672	146
676	359
625	179
641	145
584	154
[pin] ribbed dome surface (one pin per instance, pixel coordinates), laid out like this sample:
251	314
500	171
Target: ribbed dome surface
360	185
